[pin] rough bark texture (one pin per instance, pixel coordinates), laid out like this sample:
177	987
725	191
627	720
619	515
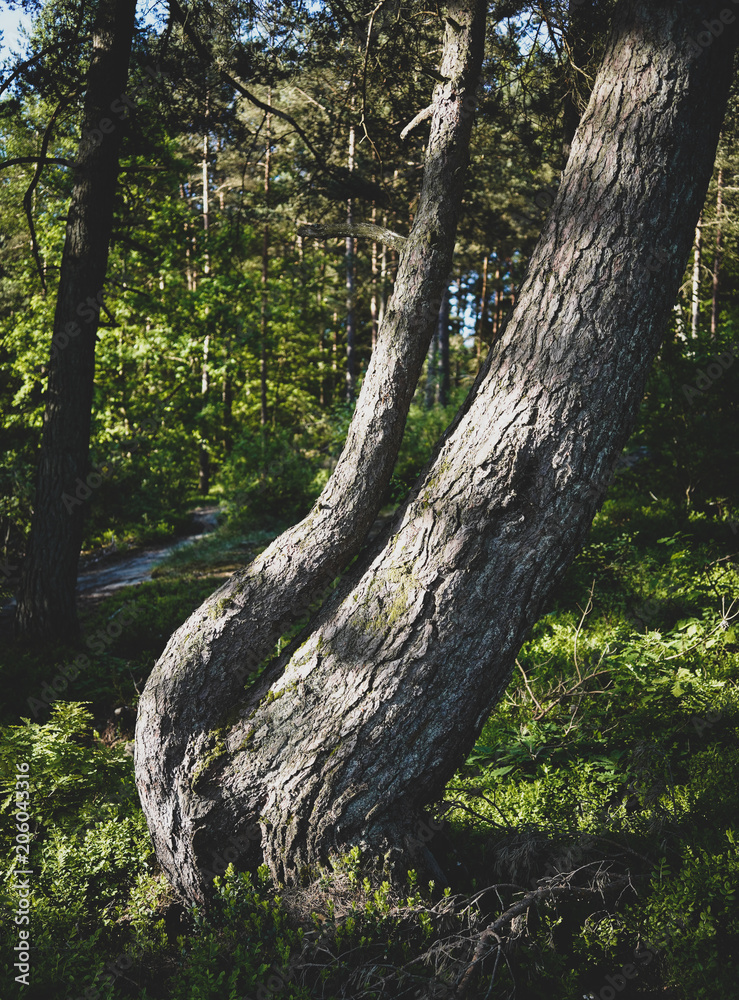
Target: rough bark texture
46	599
202	672
363	721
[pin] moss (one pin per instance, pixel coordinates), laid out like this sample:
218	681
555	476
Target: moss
432	482
271	696
247	742
218	750
405	582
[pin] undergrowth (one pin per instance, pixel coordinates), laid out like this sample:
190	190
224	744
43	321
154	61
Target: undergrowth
593	827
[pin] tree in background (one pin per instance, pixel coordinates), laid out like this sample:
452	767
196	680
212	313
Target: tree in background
46	598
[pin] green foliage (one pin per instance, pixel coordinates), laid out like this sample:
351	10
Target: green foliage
270	474
245	942
89	845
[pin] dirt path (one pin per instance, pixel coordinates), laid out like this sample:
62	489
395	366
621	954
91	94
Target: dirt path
136	568
108	571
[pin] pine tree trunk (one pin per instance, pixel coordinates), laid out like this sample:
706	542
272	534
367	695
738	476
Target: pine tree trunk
351	364
443	338
717	253
363	720
483	308
696	290
203	452
64	480
264	319
429	396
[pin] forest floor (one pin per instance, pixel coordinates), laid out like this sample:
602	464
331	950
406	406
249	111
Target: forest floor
596	821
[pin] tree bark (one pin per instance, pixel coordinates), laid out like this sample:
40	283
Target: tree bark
696	289
717	252
46	598
202	672
351	365
362	721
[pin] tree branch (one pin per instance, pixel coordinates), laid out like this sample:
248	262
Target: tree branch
365	230
420	117
36	159
491	932
28	196
179	15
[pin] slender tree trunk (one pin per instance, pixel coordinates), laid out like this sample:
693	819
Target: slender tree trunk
483	308
443	338
204	454
369	712
383	282
696	295
351	364
264	334
430	393
46	598
374	298
227	398
188	244
717	253
498	303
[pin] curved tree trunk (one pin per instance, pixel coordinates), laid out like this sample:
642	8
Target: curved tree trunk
46	599
366	717
202	672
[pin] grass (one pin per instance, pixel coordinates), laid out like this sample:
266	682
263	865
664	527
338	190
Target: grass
606	774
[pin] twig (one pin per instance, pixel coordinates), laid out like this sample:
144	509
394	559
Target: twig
492	930
420	117
528	686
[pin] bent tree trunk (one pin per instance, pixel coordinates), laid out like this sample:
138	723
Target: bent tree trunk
201	673
46	598
367	715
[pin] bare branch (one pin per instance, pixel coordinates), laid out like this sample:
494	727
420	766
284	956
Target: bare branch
28	196
420	117
36	159
365	230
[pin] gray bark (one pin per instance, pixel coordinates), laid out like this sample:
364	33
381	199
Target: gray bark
347	736
201	675
46	599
